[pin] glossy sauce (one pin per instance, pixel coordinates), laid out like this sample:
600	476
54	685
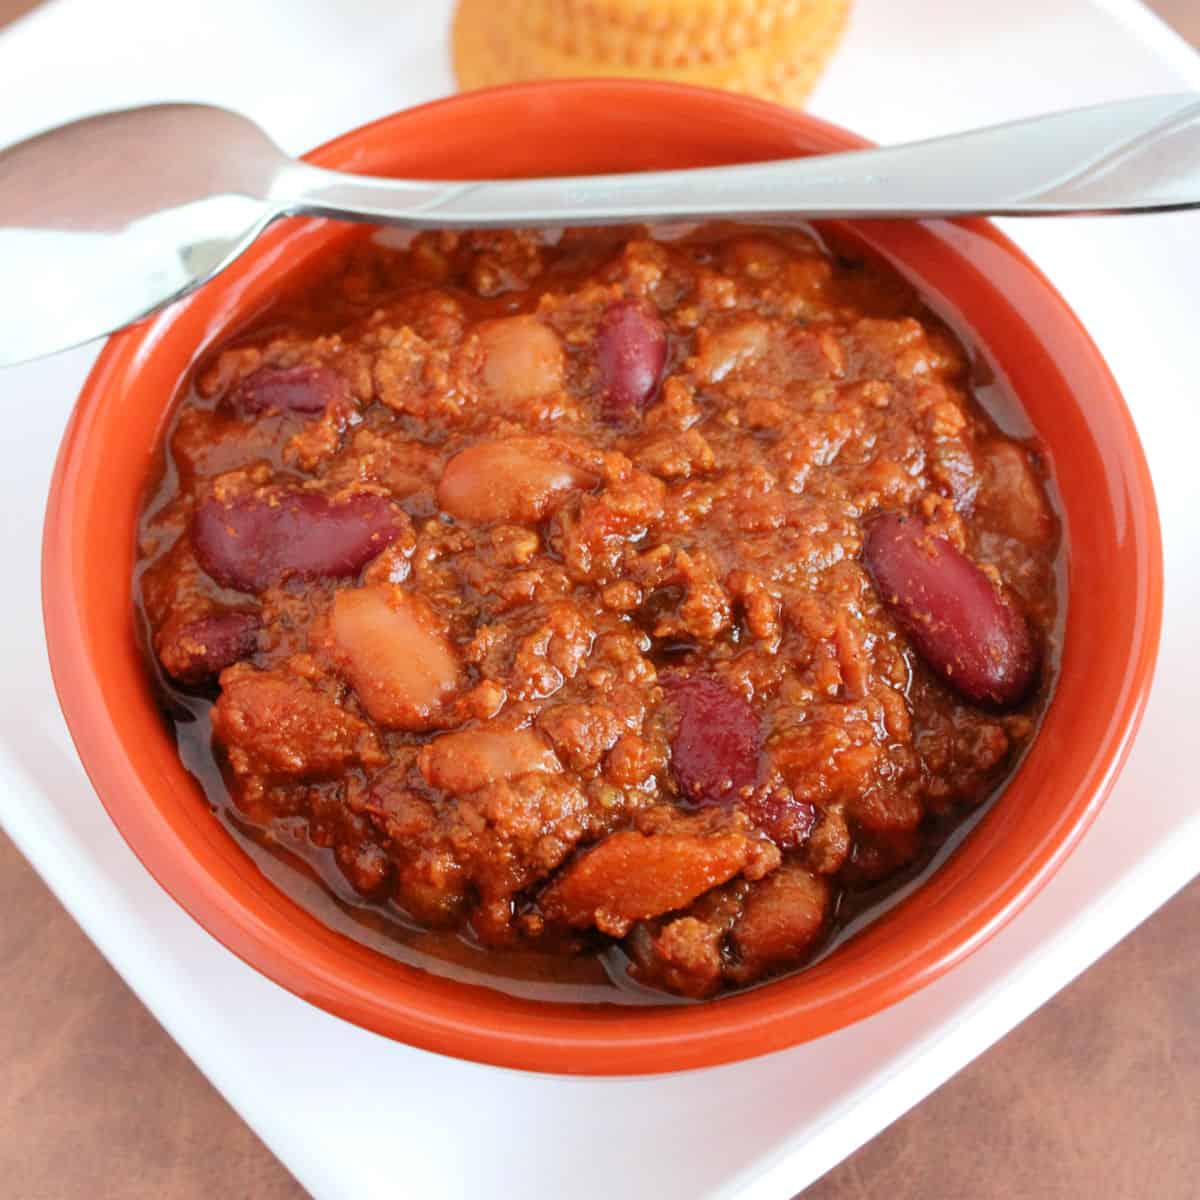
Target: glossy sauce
712	294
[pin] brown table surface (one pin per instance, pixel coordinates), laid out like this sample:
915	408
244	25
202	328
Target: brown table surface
1096	1095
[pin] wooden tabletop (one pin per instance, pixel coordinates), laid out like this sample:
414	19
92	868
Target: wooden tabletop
1097	1095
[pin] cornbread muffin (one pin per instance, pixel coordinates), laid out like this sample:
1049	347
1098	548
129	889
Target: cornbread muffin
775	49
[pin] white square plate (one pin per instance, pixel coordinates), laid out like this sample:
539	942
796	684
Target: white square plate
355	1116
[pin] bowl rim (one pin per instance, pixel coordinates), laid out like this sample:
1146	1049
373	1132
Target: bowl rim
495	1029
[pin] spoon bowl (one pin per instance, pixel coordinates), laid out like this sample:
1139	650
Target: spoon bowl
100	223
107	219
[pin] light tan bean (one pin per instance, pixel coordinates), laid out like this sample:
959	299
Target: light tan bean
517	481
402	667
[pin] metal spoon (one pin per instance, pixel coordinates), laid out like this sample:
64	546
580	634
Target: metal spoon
107	219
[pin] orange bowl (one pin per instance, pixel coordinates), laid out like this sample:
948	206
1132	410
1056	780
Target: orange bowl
1017	324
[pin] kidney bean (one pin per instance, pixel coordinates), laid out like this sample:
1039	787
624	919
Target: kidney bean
202	648
717	740
631	350
971	635
304	391
783	817
258	540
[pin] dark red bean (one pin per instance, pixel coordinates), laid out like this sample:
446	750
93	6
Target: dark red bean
305	391
717	741
960	624
786	820
631	349
256	541
203	648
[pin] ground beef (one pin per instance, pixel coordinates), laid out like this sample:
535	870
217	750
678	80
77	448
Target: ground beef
595	590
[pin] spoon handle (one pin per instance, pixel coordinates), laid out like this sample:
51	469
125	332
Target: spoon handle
1131	156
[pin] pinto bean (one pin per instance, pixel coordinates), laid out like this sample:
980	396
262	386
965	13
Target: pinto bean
522	358
717	741
730	348
470	759
304	391
517	481
968	632
256	540
631	351
402	667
